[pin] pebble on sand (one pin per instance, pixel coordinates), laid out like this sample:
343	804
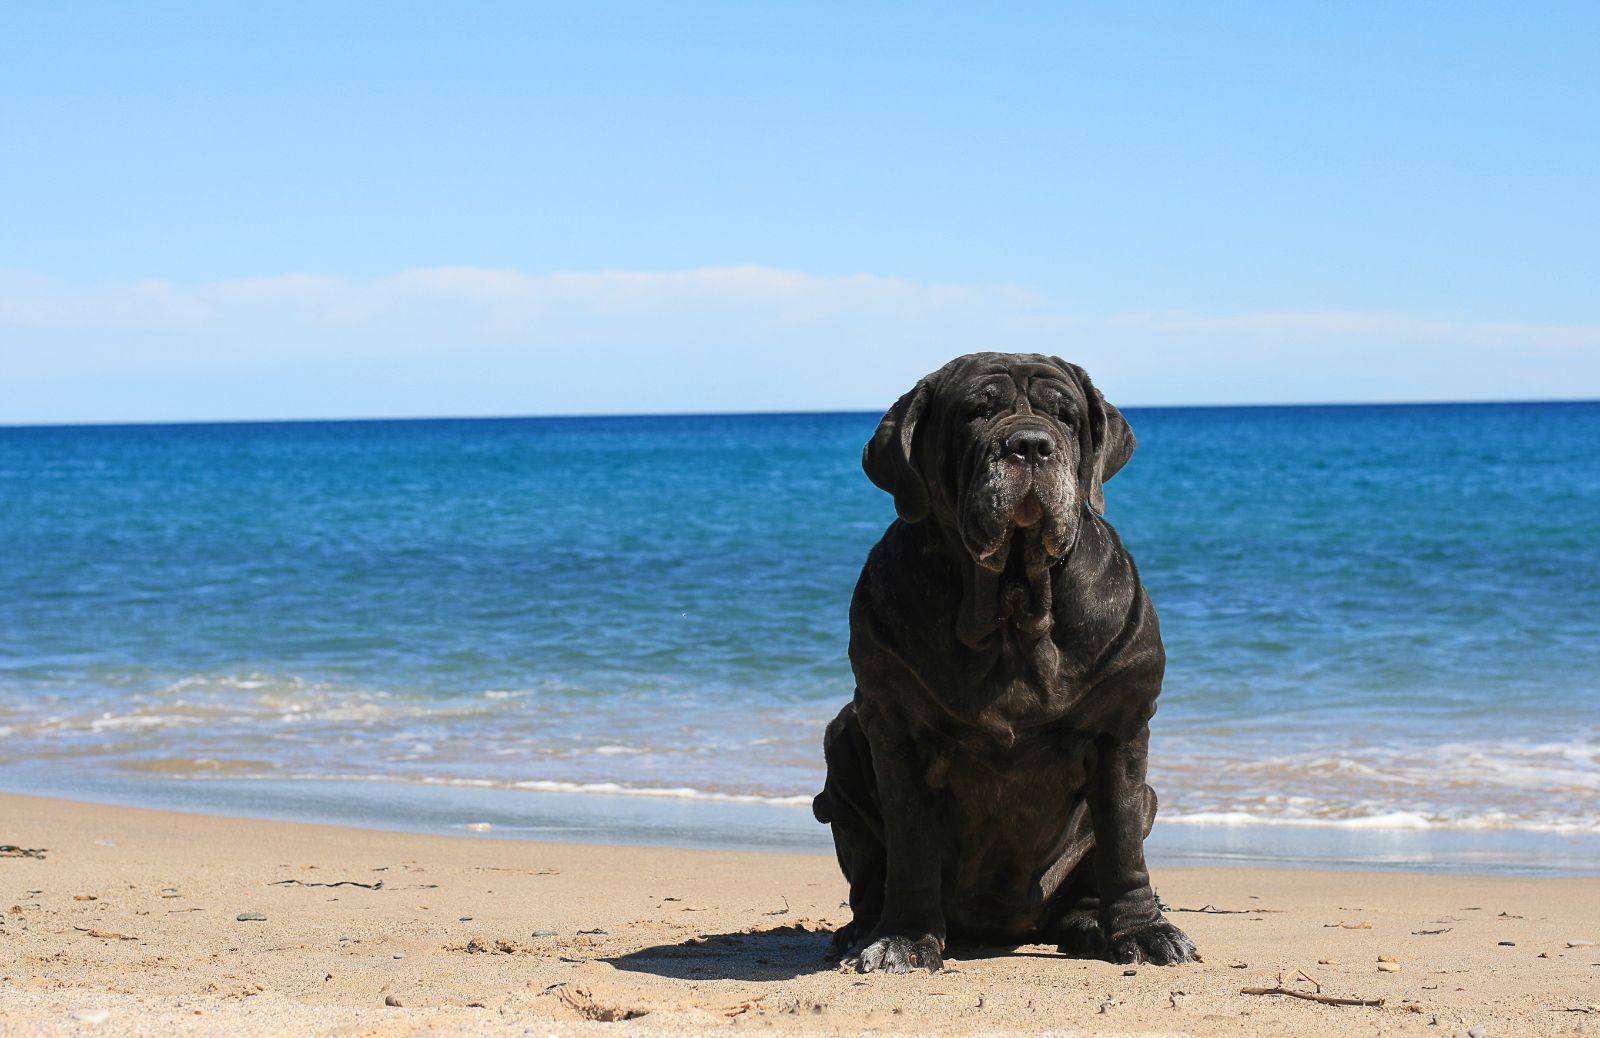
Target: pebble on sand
250	917
1388	967
392	1000
1579	942
90	1016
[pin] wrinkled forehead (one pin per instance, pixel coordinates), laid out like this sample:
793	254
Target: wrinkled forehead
1000	379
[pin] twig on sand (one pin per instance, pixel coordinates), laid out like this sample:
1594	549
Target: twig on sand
1290	976
743	1007
782	911
1214	910
11	850
342	883
1327	1000
106	935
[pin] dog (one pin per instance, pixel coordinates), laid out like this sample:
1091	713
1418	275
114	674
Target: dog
987	780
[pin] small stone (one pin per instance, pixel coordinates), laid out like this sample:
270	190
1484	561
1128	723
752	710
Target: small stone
1325	962
478	827
1130	973
399	955
1388	967
1387	958
250	917
544	933
90	1016
1508	944
1476	1032
392	1000
1579	942
465	919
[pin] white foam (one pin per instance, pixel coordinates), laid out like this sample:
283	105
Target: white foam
1399	820
551	786
668	792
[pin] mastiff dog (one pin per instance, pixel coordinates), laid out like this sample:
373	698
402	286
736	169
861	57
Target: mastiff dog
987	781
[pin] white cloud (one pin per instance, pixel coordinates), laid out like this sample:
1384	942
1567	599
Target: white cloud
507	301
477	341
1368	325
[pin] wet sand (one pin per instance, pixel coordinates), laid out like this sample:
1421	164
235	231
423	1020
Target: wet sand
129	921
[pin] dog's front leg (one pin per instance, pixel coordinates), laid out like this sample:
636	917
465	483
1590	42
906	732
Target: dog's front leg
910	933
1135	929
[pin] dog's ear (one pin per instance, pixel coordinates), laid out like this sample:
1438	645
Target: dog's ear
1108	445
886	459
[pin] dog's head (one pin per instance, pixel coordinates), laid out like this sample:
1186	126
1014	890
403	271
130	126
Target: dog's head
1000	444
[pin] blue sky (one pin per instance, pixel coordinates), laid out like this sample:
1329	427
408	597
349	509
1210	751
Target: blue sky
229	210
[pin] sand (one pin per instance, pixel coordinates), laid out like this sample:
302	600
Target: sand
129	923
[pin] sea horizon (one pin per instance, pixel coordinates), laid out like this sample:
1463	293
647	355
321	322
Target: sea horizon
779	413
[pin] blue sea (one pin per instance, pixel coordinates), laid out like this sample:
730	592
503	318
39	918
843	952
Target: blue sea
1382	623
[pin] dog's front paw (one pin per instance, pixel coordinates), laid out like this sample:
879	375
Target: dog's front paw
1158	943
895	954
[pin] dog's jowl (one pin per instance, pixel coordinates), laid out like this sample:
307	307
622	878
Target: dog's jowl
987	782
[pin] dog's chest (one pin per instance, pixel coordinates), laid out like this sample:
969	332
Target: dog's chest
1011	689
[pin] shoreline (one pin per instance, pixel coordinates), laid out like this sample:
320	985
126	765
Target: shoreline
600	817
130	917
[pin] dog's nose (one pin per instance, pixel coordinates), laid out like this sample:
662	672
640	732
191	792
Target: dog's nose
1031	445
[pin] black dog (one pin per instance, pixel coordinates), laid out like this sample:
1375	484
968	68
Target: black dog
988	780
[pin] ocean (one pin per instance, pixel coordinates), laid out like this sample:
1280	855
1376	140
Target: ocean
1382	623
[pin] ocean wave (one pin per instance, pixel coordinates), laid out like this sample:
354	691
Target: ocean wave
662	746
1391	820
1556	766
545	786
1293	816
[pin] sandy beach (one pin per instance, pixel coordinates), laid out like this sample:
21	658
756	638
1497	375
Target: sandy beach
122	920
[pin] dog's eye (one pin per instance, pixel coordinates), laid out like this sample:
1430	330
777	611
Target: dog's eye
1060	406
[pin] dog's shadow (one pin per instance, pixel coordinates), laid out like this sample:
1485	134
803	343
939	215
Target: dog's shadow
779	953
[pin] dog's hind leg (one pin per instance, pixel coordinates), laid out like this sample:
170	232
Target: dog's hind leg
849	803
1073	925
